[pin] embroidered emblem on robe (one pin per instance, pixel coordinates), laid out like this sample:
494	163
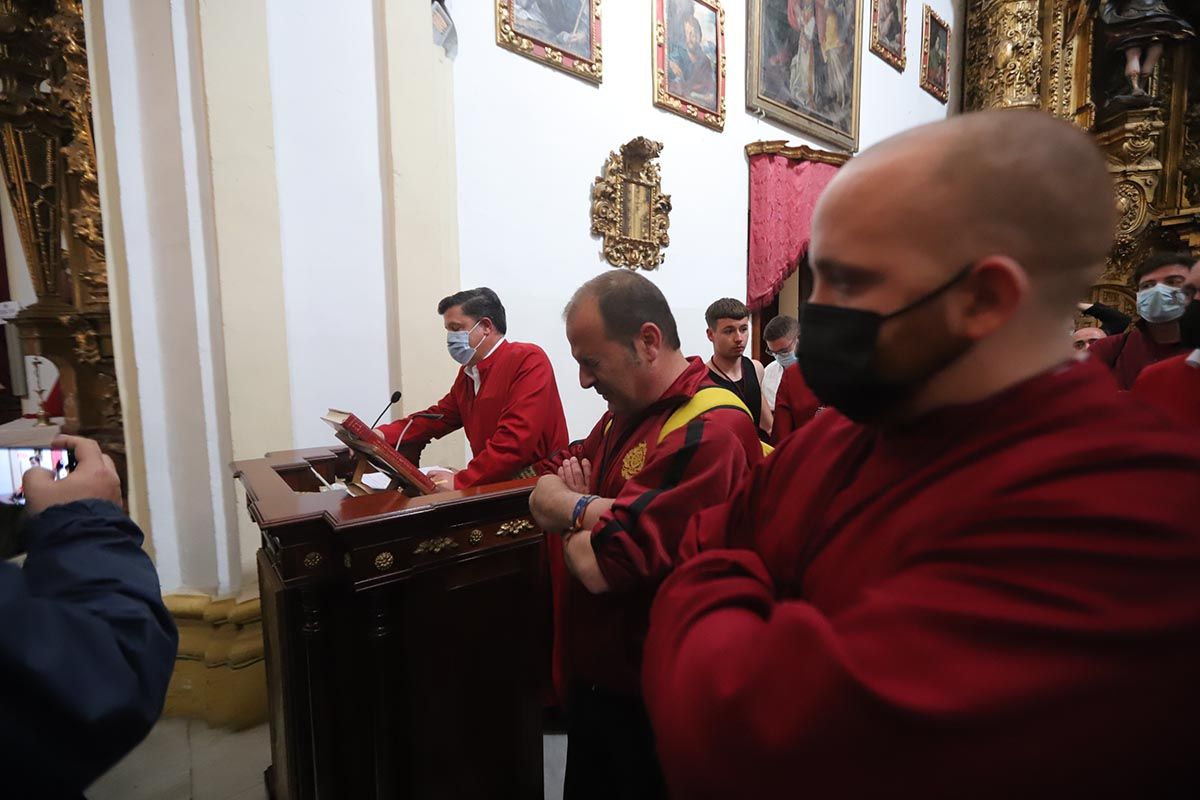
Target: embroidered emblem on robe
635	459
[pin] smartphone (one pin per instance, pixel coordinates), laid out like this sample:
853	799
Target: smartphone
16	461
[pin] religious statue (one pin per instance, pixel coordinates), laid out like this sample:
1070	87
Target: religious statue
1139	30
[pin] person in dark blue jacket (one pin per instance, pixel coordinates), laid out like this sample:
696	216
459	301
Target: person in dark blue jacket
86	644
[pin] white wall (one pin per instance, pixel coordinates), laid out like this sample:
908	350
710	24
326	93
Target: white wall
327	156
531	140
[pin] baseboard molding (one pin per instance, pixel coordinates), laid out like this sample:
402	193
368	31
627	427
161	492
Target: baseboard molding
220	674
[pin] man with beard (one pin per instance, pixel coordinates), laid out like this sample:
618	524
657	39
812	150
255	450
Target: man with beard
979	572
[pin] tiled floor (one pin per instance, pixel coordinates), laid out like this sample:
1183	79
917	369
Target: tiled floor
187	760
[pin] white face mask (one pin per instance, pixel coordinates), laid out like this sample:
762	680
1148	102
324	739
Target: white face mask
1161	303
458	343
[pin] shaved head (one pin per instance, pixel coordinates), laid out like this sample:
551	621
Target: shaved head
967	244
1016	183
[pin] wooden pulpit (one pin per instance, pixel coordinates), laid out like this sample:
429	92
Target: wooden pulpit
406	638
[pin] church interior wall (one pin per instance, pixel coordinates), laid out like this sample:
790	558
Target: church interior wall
291	193
531	140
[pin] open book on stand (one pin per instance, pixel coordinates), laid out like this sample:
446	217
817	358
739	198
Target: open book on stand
353	432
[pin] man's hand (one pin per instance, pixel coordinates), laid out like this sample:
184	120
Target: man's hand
94	479
443	479
551	504
576	473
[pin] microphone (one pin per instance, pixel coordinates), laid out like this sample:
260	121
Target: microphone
395	399
411	419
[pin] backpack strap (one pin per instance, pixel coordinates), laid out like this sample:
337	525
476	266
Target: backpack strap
703	401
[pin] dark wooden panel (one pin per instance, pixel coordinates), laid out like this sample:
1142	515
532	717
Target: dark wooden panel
405	637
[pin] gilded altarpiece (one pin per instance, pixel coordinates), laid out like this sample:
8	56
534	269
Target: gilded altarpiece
49	163
1050	55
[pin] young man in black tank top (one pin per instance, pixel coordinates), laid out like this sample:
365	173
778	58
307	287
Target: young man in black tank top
729	331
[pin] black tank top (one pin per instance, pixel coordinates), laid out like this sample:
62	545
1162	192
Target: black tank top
747	388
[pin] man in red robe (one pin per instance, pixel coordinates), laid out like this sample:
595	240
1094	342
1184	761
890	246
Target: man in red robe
1173	386
620	496
978	573
795	404
1155	336
504	397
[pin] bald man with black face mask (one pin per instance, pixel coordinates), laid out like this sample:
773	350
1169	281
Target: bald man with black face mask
976	574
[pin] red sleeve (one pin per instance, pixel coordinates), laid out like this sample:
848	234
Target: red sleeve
795	406
531	400
927	675
1107	349
637	539
425	430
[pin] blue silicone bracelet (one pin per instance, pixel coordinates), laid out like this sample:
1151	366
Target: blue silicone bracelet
580	509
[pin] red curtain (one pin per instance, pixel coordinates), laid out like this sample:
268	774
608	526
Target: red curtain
783	192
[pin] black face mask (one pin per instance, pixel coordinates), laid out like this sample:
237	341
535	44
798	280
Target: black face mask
837	352
1189	324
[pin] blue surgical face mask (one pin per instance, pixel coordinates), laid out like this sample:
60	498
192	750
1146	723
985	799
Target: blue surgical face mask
458	343
1161	303
785	360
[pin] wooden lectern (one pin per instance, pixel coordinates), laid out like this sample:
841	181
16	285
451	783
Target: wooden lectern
406	638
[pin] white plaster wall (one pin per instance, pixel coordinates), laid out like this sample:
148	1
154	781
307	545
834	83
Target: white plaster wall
532	139
327	155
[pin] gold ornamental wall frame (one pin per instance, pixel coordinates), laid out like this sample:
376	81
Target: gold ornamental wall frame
629	209
570	43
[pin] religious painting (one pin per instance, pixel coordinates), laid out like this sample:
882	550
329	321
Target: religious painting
935	56
804	65
564	34
689	59
888	29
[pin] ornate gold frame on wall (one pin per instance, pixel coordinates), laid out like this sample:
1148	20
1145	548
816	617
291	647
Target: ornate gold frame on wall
548	53
929	17
629	209
788	117
898	62
662	95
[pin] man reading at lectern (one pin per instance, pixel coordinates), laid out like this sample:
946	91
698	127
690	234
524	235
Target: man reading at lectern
504	397
613	508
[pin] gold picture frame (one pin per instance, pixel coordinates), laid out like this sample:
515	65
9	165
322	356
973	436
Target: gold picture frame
570	42
787	81
889	31
629	209
687	84
935	55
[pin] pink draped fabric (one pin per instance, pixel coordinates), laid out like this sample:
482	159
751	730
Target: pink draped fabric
783	193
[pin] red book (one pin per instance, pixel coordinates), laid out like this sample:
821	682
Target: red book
354	432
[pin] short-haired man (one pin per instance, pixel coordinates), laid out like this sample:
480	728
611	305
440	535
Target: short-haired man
729	331
1155	336
978	573
504	397
622	496
1173	385
779	336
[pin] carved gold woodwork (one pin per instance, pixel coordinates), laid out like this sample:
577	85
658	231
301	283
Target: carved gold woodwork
514	527
590	69
49	163
779	147
1004	55
629	209
1040	54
